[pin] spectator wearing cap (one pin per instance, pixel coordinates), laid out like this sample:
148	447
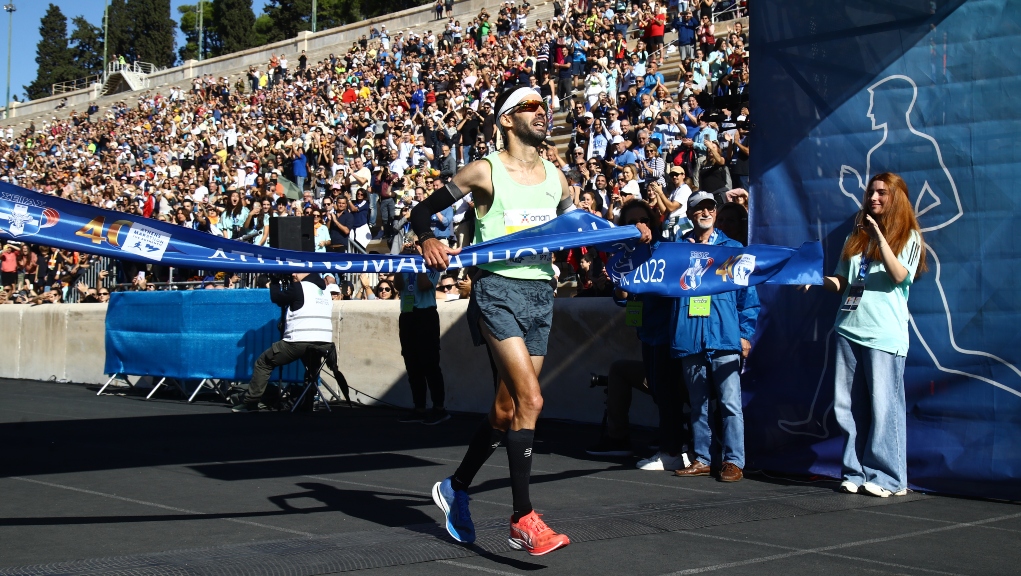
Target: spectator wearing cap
711	335
334	291
672	201
621	155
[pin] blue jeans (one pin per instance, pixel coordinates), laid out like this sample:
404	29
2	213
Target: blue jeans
870	409
300	181
373	208
722	372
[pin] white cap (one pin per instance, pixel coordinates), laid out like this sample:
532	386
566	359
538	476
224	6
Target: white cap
617	139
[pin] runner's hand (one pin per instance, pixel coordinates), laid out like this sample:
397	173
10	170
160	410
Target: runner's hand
436	253
646	233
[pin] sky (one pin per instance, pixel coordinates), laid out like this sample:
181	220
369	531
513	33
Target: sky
26	32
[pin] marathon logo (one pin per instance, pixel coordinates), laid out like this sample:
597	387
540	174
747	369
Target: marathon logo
24	218
146	242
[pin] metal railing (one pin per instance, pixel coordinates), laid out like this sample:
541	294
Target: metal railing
77	84
732	12
133	67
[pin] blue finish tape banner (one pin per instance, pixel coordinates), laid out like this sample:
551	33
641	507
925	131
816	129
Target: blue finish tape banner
192	334
43	219
69	225
845	90
677	269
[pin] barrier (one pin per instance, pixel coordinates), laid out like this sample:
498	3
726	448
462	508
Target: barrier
67	342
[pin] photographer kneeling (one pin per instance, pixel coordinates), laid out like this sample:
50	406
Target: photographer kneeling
308	322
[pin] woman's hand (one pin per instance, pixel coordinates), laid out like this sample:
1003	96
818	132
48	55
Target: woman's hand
871	227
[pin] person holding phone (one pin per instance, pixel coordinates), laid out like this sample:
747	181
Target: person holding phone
880	260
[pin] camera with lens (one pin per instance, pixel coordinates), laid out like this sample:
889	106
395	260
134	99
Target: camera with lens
599	380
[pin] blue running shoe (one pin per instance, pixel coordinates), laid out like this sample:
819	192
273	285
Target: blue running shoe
454	504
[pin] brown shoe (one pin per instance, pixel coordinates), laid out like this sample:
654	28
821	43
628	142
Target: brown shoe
730	472
696	468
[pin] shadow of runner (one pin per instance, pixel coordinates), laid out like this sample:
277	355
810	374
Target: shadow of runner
383	508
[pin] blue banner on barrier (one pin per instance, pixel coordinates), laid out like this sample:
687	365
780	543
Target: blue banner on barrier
845	90
192	334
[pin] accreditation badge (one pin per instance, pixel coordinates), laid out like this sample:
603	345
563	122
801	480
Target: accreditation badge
408	301
633	314
698	306
853	299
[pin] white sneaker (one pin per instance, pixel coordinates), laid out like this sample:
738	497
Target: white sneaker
880	492
848	487
661	461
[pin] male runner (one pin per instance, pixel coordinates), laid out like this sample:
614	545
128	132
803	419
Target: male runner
511	309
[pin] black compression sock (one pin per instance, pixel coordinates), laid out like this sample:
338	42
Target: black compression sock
482	446
519	459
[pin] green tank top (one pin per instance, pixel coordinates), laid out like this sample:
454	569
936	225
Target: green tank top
515	208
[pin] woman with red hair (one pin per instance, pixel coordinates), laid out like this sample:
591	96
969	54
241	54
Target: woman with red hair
880	260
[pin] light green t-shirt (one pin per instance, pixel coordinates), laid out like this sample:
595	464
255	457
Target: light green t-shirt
881	319
518	207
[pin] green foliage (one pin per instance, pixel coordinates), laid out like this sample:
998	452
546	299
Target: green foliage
190	27
86	47
288	17
53	56
120	29
234	25
262	30
153	38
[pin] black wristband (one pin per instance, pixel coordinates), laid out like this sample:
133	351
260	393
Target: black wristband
425	236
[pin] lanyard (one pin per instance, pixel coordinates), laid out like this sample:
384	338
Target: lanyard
863	267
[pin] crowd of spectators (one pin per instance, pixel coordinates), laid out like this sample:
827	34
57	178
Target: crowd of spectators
355	139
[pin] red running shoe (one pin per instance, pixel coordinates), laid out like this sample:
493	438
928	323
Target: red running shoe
534	536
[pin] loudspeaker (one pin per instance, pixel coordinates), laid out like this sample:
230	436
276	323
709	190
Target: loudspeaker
292	233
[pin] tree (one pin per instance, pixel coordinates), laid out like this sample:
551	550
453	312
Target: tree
262	30
120	29
288	17
152	38
53	58
234	24
86	47
190	28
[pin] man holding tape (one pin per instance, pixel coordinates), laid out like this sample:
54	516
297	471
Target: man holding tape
712	334
511	310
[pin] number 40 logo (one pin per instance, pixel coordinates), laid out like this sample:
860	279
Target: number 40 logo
96	227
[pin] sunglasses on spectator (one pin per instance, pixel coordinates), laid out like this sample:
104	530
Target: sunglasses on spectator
446	287
528	106
104	293
384	290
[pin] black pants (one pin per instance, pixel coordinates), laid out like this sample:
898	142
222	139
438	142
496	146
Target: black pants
420	346
279	354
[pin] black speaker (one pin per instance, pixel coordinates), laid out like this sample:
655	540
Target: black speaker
292	233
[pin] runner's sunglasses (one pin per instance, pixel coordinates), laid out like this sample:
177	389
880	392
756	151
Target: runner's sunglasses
528	106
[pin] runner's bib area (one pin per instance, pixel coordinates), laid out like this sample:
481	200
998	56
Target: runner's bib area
850	90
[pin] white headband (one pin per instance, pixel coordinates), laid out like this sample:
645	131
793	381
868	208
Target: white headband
515	98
